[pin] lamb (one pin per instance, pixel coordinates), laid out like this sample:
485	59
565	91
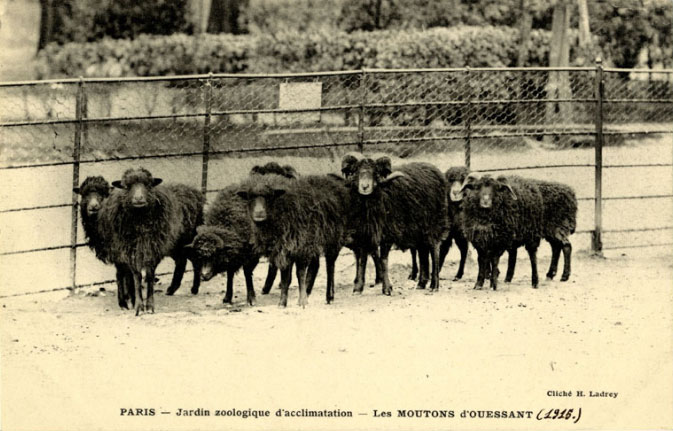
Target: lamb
500	215
559	222
223	244
145	222
295	221
406	208
93	191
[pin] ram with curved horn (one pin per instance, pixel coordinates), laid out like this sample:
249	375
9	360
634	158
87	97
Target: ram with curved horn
405	207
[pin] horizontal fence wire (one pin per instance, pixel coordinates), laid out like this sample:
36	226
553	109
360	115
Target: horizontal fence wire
438	110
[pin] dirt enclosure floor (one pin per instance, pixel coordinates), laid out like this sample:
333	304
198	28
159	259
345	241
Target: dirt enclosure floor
75	361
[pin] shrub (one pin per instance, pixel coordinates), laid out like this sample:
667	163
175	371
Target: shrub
291	51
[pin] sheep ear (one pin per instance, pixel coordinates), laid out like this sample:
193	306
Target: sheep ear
290	172
242	194
348	163
156	182
383	166
504	184
468	184
255	169
392	176
117	184
75	189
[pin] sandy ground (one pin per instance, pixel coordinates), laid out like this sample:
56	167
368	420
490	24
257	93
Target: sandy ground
72	362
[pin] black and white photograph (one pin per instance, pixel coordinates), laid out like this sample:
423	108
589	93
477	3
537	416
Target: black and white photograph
336	215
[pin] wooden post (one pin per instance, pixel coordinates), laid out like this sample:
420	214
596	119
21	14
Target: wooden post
79	115
208	99
597	241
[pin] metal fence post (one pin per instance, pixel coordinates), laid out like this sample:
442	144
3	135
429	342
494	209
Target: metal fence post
361	113
596	240
79	115
206	134
468	119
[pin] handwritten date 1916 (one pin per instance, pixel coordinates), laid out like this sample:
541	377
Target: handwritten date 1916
565	414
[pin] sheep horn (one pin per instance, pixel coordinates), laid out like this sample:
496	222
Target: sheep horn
393	175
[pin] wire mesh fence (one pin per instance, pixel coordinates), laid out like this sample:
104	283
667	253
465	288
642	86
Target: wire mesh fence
606	132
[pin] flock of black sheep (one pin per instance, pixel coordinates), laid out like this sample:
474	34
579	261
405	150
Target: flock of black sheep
293	220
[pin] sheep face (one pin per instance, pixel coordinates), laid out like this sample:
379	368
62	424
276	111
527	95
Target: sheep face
138	184
489	190
368	174
206	245
260	201
93	191
455	177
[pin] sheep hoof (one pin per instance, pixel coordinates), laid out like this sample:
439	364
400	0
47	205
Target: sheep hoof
357	292
387	291
456	278
303	302
478	287
195	291
266	290
251	302
413	276
565	277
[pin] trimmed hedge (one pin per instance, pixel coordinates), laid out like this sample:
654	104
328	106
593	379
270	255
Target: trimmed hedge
291	51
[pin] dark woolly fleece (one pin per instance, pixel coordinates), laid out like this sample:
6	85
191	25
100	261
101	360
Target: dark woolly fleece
143	237
560	214
224	240
304	222
95	242
408	211
508	223
286	171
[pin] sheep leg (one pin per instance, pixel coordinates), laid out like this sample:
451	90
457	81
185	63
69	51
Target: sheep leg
138	282
444	248
228	295
301	275
461	242
270	278
330	260
423	263
359	285
356	252
180	264
122	291
311	274
377	268
285	278
511	264
434	282
567	252
248	268
414	265
482	262
196	265
384	250
149	300
532	252
555	254
129	287
495	272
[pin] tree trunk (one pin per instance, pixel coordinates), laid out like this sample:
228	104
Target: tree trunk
525	26
558	83
223	17
46	23
586	44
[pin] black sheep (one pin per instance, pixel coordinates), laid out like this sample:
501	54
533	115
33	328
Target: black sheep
223	244
286	171
294	222
455	177
146	222
406	208
559	222
93	191
500	215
